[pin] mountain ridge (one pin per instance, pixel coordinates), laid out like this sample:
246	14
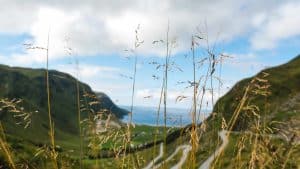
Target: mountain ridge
29	85
283	87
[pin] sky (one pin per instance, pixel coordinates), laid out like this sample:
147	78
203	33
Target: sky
97	34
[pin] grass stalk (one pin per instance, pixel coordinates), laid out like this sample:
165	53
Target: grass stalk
165	91
51	123
129	123
194	139
79	117
5	148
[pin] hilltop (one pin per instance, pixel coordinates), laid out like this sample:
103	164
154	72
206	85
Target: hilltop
29	85
25	88
262	114
281	102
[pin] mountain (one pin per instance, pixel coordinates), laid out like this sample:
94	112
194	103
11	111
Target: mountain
275	91
262	114
108	104
29	85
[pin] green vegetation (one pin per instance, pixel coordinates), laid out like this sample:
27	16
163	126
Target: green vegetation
266	127
261	114
281	104
265	132
29	86
26	90
241	142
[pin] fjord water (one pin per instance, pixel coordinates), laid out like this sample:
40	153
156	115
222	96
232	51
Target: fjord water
148	116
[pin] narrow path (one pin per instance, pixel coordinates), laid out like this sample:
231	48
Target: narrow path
186	149
184	156
160	155
207	163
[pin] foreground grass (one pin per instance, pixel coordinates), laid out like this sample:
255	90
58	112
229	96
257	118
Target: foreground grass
67	146
238	155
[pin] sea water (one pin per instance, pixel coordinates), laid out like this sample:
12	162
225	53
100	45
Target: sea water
175	116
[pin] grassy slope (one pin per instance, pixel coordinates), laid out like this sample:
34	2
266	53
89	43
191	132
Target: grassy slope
29	85
282	105
141	134
279	105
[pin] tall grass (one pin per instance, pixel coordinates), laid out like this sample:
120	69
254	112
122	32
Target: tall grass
194	136
5	148
79	118
253	149
69	51
21	117
51	122
51	133
165	90
127	142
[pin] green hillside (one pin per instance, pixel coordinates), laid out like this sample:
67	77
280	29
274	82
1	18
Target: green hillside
282	102
263	115
25	90
29	85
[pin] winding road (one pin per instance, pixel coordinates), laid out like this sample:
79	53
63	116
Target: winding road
185	150
160	155
185	153
207	163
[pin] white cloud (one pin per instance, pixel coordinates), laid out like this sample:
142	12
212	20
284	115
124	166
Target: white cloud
92	72
146	96
100	78
16	17
259	19
97	27
244	61
24	59
281	24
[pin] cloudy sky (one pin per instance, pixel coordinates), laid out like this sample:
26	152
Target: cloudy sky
96	33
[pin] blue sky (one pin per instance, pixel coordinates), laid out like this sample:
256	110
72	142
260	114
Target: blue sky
255	34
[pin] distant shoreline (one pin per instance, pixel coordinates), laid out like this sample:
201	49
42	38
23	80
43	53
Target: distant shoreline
178	117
